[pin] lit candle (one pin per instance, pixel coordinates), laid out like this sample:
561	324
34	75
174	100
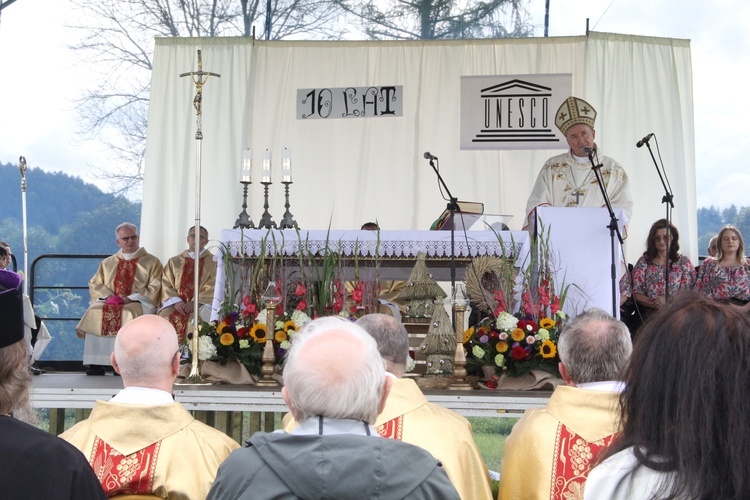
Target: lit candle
247	166
266	166
286	166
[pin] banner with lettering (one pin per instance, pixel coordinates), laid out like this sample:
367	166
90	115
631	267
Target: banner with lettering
512	111
350	102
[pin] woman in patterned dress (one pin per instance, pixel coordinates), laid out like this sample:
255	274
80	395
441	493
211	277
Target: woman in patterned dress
726	277
649	290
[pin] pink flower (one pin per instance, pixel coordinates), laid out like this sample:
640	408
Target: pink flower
300	290
530	339
302	305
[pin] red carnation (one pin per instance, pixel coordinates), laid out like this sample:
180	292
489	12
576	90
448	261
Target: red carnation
518	353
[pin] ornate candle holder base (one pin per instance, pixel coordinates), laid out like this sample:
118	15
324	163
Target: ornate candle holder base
287	222
243	220
266	222
459	360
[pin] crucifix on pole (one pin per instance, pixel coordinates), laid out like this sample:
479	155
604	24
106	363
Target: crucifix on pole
199	79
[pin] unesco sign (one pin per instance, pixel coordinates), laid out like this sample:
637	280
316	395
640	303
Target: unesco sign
512	112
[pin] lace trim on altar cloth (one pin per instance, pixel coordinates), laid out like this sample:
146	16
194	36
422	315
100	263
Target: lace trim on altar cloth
389	244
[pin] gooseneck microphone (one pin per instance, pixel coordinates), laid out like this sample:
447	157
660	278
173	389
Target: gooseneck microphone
588	150
644	140
428	156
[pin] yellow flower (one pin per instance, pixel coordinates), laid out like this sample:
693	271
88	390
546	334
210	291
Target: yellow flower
548	349
468	334
502	346
280	336
221	327
517	334
547	323
483	330
258	333
226	339
290	326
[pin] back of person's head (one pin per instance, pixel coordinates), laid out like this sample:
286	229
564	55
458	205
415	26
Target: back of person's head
392	339
594	347
687	398
145	352
334	370
370	226
15	377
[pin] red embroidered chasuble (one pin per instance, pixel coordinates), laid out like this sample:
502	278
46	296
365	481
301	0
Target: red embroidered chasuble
186	292
393	429
125	474
123	285
571	462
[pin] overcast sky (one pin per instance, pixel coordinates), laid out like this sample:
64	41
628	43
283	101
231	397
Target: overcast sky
40	79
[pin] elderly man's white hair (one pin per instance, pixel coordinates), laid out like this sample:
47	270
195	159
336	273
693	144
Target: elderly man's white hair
334	370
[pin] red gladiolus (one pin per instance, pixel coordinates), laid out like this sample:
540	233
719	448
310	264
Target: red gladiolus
300	290
302	305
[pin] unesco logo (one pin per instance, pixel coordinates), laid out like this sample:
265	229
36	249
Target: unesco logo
516	111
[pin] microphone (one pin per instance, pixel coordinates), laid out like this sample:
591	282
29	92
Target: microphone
588	150
428	156
644	140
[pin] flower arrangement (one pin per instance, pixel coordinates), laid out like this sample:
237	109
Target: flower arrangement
514	346
243	335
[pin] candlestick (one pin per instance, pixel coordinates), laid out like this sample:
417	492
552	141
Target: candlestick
266	167
286	166
247	166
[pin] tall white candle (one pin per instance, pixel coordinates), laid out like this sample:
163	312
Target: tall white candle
247	166
286	166
266	166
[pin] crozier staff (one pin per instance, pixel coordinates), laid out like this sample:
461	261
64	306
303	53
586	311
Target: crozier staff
567	180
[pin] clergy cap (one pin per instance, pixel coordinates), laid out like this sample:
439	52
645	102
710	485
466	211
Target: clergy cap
574	111
11	308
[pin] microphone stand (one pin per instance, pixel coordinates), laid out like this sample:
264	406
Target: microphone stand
453	208
613	229
667	199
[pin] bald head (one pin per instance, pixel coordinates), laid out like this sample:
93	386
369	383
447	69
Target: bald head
334	370
146	353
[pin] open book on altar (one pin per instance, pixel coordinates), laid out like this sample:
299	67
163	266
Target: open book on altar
467	214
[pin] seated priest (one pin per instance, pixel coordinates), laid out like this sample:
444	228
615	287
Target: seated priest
550	450
126	285
143	442
178	285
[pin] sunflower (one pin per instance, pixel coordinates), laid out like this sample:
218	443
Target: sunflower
280	336
226	339
501	346
547	323
258	333
222	326
548	349
290	327
517	334
468	334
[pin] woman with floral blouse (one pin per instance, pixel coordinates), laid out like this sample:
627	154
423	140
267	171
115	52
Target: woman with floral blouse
649	288
726	277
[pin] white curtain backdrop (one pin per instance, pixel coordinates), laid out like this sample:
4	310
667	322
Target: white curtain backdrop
349	171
